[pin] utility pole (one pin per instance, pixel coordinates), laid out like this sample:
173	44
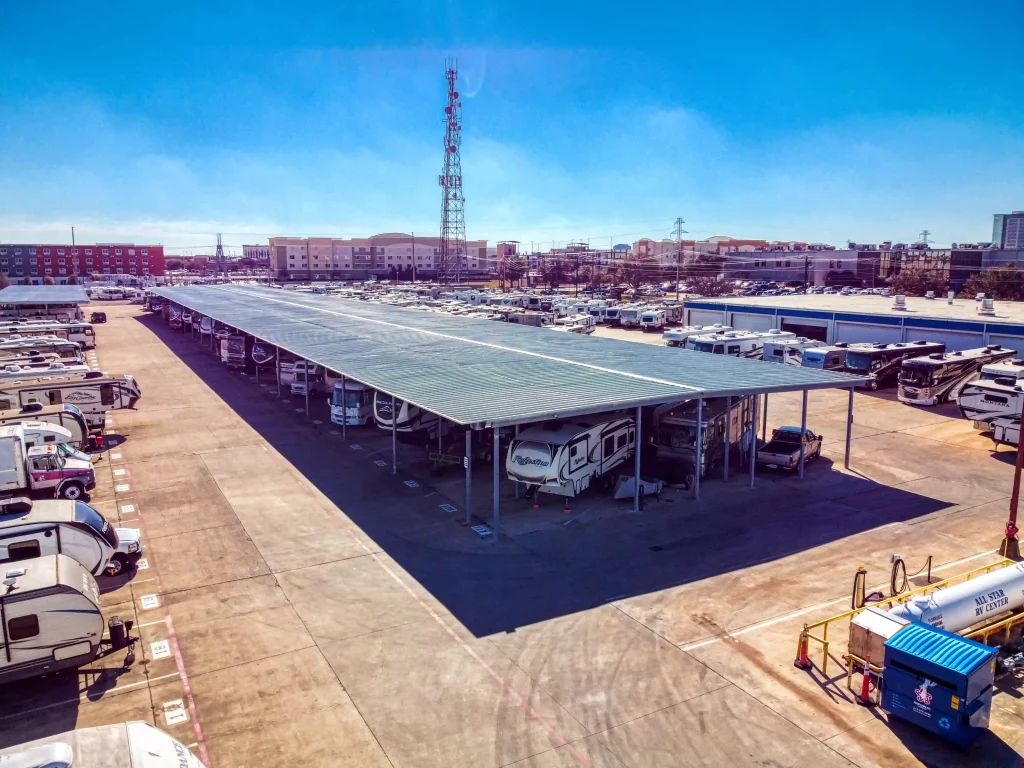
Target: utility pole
414	257
679	232
1010	548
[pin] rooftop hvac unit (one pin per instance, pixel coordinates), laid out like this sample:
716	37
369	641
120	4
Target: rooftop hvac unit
900	302
988	307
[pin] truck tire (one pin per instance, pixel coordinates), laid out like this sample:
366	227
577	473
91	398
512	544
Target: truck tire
117	564
72	491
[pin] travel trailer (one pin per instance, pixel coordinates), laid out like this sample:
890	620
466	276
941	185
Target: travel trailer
174	318
133	744
584	324
352	405
82	333
939	378
413	423
65	416
652	320
564	457
749	344
676	337
629	316
94	394
673	312
13	371
789	351
996	393
72	528
51	618
881	363
675	436
68	351
41	468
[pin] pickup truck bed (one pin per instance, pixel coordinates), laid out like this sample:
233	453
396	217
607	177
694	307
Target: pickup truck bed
783	450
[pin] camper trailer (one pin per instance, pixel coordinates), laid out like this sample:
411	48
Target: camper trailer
14	371
584	324
676	433
789	351
133	744
629	316
68	351
676	337
939	377
352	405
749	344
51	617
72	528
82	333
881	363
413	423
94	394
997	393
564	457
652	320
65	415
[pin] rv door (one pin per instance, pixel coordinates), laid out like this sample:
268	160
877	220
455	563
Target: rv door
107	394
577	453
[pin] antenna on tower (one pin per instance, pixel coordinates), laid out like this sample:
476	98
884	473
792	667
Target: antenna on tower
218	259
453	217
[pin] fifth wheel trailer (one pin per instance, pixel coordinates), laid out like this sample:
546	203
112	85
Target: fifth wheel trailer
94	394
133	744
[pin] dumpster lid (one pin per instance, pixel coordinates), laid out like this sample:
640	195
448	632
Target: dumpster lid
941	648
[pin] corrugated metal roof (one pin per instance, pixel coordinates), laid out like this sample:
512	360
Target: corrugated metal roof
473	371
941	648
43	294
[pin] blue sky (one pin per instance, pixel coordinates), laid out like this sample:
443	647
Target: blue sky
595	121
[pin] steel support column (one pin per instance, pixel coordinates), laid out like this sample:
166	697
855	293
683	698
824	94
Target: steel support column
277	364
753	440
344	410
803	432
394	438
469	474
728	437
309	385
515	483
496	525
637	443
849	429
764	418
699	449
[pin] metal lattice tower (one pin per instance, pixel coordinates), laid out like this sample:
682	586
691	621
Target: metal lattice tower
218	259
451	264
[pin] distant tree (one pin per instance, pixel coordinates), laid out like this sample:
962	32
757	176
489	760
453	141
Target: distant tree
703	265
27	281
72	279
515	269
613	275
392	274
916	281
1005	283
47	280
637	270
707	285
4	281
553	273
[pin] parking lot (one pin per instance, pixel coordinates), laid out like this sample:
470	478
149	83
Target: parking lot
301	602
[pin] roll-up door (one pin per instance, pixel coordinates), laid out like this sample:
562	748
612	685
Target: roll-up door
859	332
704	316
748	321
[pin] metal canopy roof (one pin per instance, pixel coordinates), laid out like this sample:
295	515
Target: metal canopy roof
479	372
43	294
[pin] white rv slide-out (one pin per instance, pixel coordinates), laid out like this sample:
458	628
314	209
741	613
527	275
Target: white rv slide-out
676	337
997	393
68	351
747	344
565	457
133	744
83	333
789	351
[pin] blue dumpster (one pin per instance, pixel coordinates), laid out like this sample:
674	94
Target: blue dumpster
939	681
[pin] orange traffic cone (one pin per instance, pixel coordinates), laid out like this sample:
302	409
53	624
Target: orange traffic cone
865	689
801	661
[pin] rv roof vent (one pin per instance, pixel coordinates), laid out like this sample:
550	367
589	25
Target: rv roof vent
936	355
919	341
34	407
988	307
1017	361
845	344
994	347
93	375
880	345
900	302
775	330
959	353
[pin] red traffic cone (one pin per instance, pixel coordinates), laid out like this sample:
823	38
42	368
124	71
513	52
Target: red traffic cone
865	689
801	661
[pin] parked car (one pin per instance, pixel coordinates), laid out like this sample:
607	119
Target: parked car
98	317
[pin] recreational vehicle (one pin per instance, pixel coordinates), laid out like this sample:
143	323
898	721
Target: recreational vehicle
352	405
83	333
65	415
14	371
789	351
1006	429
68	351
40	468
673	312
675	435
629	316
175	318
652	320
51	617
133	744
747	344
413	423
94	394
45	433
563	458
676	337
939	378
306	374
533	319
881	363
72	528
575	324
232	351
263	353
996	393
830	358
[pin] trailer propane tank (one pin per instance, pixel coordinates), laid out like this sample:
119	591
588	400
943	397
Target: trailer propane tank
969	603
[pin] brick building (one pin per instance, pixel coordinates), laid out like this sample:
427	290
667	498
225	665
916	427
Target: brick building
39	261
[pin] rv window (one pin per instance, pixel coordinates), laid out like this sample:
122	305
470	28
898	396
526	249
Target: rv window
572	450
107	394
49	438
22	627
720	349
621	441
54	395
734	349
609	446
22	550
777	352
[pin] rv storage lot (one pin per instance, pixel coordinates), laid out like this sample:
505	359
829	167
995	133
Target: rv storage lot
312	607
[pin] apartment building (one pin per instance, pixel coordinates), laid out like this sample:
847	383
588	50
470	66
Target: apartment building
38	261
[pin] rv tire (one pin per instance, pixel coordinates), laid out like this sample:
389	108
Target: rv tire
72	491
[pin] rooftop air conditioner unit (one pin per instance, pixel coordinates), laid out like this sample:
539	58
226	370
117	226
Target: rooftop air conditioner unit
900	302
988	307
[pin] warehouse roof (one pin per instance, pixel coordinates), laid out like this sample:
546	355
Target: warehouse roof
14	295
479	372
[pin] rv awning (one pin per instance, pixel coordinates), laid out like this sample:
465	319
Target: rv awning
484	373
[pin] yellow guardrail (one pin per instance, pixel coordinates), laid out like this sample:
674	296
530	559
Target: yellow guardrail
807	634
1005	625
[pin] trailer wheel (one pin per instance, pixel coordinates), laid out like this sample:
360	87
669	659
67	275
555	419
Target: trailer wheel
117	564
72	491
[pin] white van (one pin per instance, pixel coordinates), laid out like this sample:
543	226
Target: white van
133	744
353	405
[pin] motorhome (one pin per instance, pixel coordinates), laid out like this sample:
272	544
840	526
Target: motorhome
830	358
652	320
175	318
749	344
72	528
40	469
413	423
676	433
51	617
939	377
232	351
263	353
14	371
45	433
94	394
997	393
306	374
134	744
789	351
65	415
576	324
68	351
881	363
564	457
352	404
83	333
676	337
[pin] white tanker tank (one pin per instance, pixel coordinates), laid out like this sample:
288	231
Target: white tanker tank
972	602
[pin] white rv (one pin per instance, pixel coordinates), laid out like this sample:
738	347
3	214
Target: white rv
563	457
997	393
676	337
305	373
413	422
652	320
68	351
45	370
71	528
789	351
126	745
629	316
94	394
584	324
353	406
747	344
65	416
83	333
1006	429
51	617
939	377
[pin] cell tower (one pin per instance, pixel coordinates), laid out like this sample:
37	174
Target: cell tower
453	218
218	259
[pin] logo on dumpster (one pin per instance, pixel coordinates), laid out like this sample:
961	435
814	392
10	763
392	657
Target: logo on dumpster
944	723
922	692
